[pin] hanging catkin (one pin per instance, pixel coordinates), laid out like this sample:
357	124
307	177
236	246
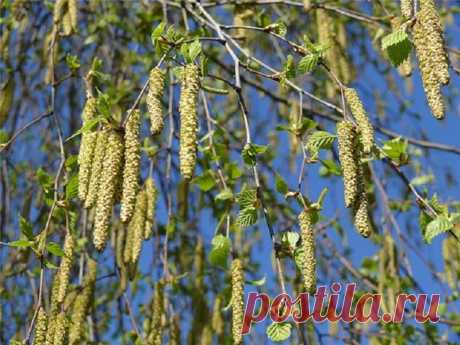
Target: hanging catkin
217	320
154	96
111	173
308	259
364	126
60	333
429	46
237	300
189	120
40	327
65	267
406	8
54	310
174	332
150	214
347	145
360	210
82	304
72	8
138	225
96	168
155	333
131	166
87	146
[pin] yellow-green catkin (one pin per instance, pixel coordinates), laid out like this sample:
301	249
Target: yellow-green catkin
40	327
307	5
60	333
347	145
308	259
360	115
87	147
406	8
57	10
154	96
72	8
111	173
131	166
150	214
54	310
237	300
361	214
155	334
217	320
433	62
65	267
82	304
96	168
138	226
189	120
174	332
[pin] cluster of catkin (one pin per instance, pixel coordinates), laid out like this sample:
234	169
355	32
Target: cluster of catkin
52	327
351	140
65	13
433	62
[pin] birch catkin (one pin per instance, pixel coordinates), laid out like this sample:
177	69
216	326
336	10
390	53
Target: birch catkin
429	46
155	334
54	309
406	8
154	96
359	113
237	300
150	213
87	146
138	225
131	166
361	214
189	120
82	304
347	141
308	259
96	168
60	334
40	327
65	267
111	173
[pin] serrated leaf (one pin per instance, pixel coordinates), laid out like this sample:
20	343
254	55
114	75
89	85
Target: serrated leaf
71	188
280	184
279	331
437	226
54	249
194	50
205	182
246	198
247	217
226	194
21	243
26	228
221	247
289	67
396	150
158	31
308	63
397	45
320	140
330	167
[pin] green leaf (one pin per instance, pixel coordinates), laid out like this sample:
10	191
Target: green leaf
396	150
290	238
194	50
289	67
247	198
250	152
50	265
421	180
54	249
158	31
257	282
279	331
21	243
247	217
278	28
87	127
26	228
205	182
308	63
226	194
221	247
280	184
72	62
437	226
320	140
71	188
397	45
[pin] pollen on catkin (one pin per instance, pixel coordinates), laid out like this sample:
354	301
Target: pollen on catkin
96	168
217	320
82	304
308	259
364	125
72	8
111	173
54	310
40	327
347	145
174	332
131	166
87	147
60	333
361	214
65	267
150	214
189	120
138	225
154	96
433	62
237	300
155	335
406	8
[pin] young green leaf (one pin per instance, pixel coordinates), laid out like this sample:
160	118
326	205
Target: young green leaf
279	331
